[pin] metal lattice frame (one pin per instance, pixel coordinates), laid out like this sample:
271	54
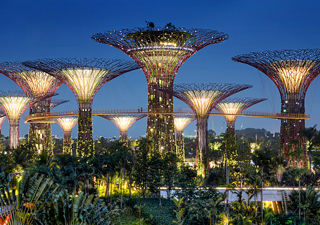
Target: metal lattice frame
67	124
36	84
160	52
14	103
292	71
123	122
84	77
56	102
180	123
201	98
235	106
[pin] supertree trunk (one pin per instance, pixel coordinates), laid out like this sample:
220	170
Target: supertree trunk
14	134
40	133
123	136
85	141
202	159
160	127
290	140
180	145
231	128
67	141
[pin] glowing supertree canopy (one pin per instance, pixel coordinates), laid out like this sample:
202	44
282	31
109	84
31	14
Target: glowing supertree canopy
180	123
38	85
201	98
14	104
235	106
123	122
84	77
34	83
160	51
292	71
67	124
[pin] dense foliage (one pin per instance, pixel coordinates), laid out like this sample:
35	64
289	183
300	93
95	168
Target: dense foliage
120	170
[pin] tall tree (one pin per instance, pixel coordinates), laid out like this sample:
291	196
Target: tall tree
262	159
310	135
170	170
140	174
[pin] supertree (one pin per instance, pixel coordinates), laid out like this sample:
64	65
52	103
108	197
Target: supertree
67	124
38	85
160	51
3	118
232	106
180	123
201	98
292	71
84	77
124	122
14	104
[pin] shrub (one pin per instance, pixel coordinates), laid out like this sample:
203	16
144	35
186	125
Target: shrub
216	177
156	214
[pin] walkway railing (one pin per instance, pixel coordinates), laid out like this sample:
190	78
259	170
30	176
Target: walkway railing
48	117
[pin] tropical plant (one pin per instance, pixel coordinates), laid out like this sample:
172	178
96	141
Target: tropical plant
155	173
179	213
71	210
170	170
139	208
310	135
186	180
212	210
223	219
65	171
239	219
262	158
140	175
309	203
32	195
203	205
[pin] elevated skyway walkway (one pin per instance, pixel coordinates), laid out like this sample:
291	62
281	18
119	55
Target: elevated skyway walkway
49	117
270	194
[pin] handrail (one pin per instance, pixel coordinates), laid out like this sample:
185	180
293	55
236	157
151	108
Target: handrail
39	116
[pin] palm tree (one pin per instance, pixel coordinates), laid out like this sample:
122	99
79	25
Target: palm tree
65	171
310	135
262	158
122	156
239	219
278	167
23	155
212	212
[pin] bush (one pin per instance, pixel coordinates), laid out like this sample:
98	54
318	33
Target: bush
216	177
156	214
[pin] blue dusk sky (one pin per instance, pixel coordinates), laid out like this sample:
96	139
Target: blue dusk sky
63	28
